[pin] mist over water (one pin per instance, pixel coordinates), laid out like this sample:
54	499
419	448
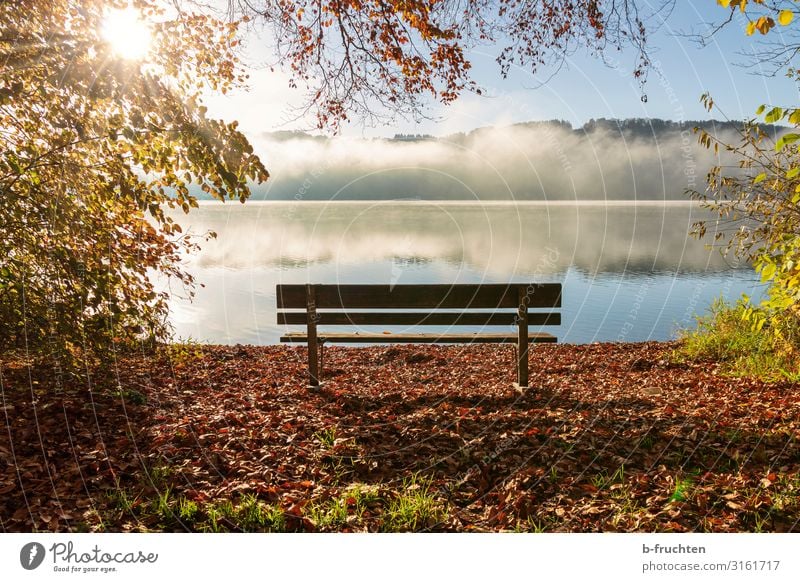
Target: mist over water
545	161
630	271
492	239
602	208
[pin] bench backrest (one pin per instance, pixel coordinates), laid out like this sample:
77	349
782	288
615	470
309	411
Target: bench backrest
502	304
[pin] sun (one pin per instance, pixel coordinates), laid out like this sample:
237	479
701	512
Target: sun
126	32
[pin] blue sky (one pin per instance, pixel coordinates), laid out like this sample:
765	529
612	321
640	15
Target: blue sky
584	88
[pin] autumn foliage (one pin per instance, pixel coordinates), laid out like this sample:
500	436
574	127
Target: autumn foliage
757	201
93	148
373	59
214	438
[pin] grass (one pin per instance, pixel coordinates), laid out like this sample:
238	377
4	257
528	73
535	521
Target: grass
326	437
627	511
248	514
339	454
415	508
784	504
159	475
330	514
183	351
187	510
347	508
162	504
683	487
532	525
604	481
121	500
725	335
154	504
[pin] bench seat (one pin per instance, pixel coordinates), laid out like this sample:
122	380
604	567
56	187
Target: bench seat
417	338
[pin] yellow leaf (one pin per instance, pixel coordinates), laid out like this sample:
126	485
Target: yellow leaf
785	17
724	3
751	28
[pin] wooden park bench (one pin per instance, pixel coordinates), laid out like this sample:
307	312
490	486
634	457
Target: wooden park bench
496	305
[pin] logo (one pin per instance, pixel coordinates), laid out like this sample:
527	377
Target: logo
31	555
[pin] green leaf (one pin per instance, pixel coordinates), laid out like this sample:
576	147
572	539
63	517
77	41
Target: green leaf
774	115
786	139
793	172
760	109
760	178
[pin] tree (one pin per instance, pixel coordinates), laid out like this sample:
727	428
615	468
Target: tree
376	58
758	202
94	150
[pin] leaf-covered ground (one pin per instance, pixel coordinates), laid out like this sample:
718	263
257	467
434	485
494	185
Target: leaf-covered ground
610	437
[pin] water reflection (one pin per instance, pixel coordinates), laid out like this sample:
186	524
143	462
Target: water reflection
630	270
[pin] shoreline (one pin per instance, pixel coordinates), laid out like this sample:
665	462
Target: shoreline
478	203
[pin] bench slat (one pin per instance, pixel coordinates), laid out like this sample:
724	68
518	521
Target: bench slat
431	338
479	296
413	319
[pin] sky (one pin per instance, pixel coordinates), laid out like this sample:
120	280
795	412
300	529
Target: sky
584	88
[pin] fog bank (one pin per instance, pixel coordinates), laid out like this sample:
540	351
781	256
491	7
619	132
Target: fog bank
603	160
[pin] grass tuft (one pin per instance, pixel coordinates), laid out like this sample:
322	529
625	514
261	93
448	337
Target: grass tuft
415	508
726	335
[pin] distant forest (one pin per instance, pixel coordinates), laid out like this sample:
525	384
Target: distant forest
605	159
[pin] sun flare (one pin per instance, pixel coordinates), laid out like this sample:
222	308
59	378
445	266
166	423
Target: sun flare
126	32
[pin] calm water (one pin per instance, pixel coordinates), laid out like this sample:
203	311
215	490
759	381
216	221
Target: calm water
629	270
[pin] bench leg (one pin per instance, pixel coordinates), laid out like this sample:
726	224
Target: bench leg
522	366
522	340
311	315
313	363
321	359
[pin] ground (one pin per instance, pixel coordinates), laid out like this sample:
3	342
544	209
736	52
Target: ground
609	437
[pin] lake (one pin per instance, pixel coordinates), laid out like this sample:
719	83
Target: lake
629	269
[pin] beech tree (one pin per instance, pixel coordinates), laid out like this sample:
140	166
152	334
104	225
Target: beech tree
94	146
